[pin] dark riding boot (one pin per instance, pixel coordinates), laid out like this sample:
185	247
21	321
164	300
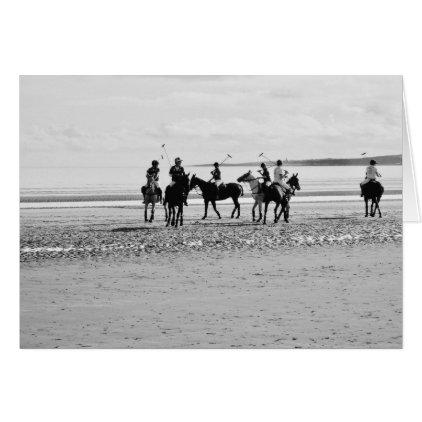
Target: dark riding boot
185	202
160	195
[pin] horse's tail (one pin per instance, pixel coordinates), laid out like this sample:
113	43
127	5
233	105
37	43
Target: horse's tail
241	190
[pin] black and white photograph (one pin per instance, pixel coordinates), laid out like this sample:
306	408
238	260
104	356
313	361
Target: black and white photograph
211	212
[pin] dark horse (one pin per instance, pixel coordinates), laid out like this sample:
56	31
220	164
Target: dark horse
230	190
271	194
374	191
174	197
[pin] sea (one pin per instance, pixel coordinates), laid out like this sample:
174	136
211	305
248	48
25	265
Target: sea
47	187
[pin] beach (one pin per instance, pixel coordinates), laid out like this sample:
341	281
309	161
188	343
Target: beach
100	277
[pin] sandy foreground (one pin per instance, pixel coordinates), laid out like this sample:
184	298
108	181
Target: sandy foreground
102	278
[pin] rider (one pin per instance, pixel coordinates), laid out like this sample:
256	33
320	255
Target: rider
175	173
371	174
265	174
153	175
216	175
279	183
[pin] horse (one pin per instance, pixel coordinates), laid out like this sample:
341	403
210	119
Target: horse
256	191
272	194
230	190
293	182
174	197
374	191
151	194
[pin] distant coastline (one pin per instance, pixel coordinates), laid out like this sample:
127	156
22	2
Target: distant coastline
387	160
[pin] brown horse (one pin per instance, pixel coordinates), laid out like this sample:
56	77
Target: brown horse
372	190
231	190
293	182
271	194
175	197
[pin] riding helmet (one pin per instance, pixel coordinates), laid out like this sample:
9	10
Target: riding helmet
263	165
373	162
216	164
279	162
154	163
178	160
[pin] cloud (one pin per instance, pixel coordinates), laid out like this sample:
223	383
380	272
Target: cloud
68	139
203	116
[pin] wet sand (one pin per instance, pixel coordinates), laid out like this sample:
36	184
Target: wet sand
101	278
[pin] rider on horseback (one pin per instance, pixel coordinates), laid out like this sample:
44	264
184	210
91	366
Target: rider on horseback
175	173
265	175
216	175
371	175
279	183
152	179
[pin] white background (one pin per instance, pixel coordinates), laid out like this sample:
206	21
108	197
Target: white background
213	37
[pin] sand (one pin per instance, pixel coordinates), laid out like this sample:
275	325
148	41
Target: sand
101	278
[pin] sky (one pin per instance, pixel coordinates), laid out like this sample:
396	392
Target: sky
124	120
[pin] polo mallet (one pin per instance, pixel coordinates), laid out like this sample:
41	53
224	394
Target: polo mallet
164	148
228	156
271	161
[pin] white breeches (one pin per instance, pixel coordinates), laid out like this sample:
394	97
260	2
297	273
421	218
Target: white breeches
218	182
283	183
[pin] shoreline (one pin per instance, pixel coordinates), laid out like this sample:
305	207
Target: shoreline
192	201
82	197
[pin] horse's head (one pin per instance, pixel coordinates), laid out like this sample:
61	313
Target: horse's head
150	182
193	182
185	182
294	181
245	177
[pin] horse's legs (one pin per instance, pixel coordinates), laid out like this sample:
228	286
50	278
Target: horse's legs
265	213
215	209
168	214
146	212
173	216
178	215
253	210
275	211
282	210
165	209
366	207
206	209
236	207
152	212
260	211
377	205
372	213
286	213
181	215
